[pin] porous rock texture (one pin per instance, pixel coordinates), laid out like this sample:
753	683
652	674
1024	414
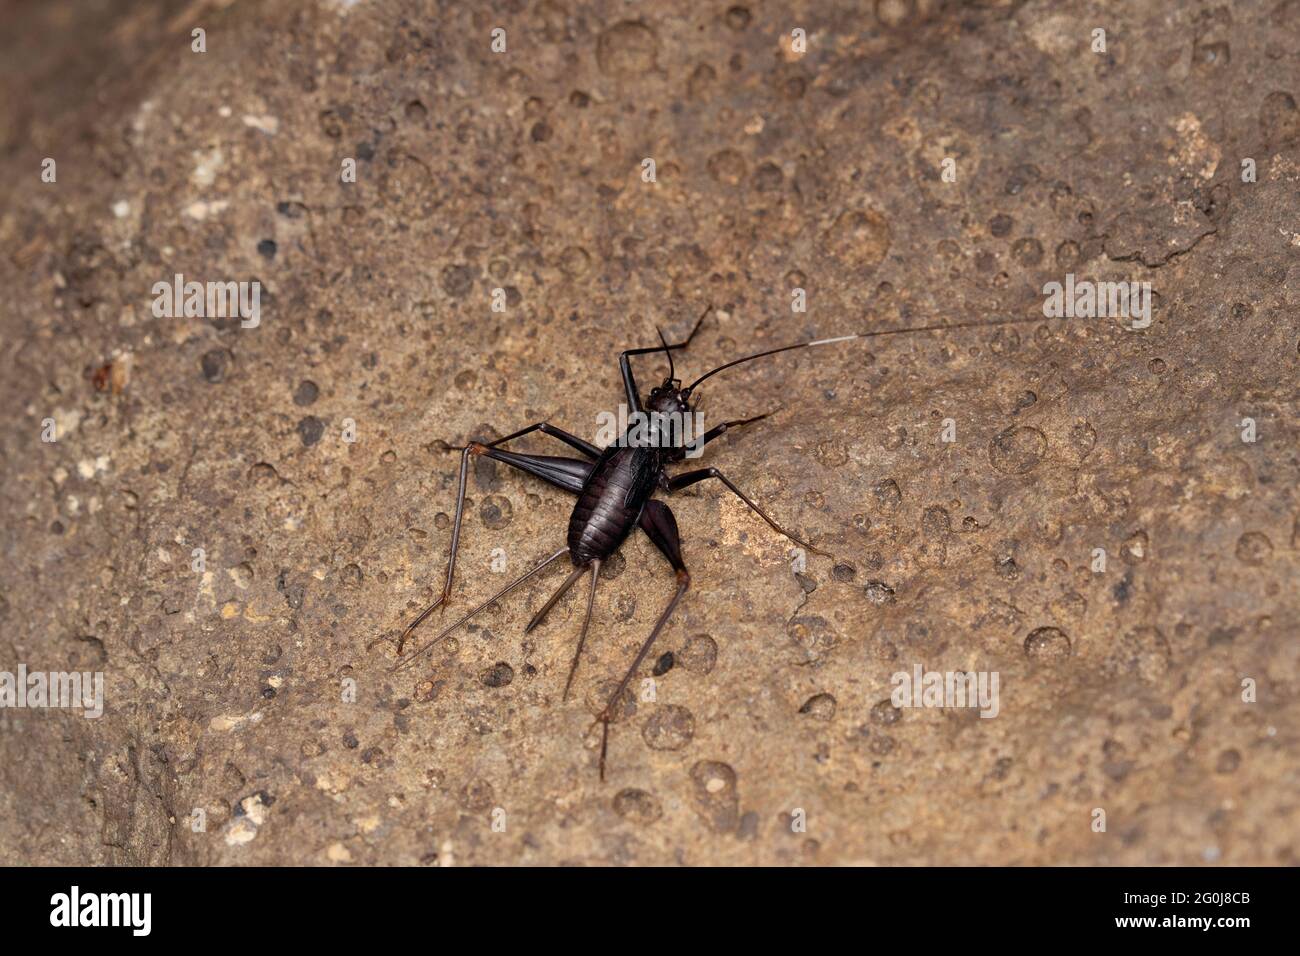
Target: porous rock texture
1147	695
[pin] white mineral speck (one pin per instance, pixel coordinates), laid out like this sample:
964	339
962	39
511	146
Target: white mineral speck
240	832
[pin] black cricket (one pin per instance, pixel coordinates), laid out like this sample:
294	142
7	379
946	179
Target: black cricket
615	486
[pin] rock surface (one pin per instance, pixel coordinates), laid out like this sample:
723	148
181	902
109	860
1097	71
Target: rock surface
313	460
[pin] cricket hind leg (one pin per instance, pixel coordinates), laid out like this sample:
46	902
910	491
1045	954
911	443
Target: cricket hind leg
570	474
493	599
658	523
546	428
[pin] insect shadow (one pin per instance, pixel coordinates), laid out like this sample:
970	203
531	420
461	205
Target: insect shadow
615	488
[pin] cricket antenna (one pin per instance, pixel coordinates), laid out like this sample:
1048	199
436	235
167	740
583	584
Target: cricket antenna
864	335
669	352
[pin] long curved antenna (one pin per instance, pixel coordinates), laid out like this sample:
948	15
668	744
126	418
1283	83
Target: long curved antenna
667	351
864	335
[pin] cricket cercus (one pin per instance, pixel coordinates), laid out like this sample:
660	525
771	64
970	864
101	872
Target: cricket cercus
615	488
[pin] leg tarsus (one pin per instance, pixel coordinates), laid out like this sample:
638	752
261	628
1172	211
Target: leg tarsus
442	602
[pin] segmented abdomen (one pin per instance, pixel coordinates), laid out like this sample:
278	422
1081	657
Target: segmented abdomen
604	515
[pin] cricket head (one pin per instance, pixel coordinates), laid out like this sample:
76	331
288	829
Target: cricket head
669	398
671	417
673	424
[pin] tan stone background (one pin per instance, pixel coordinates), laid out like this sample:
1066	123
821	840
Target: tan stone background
521	171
